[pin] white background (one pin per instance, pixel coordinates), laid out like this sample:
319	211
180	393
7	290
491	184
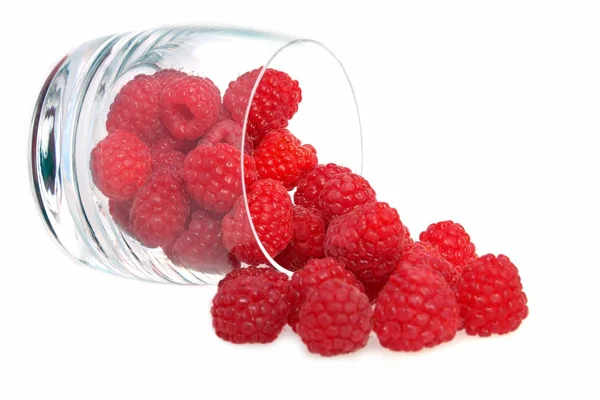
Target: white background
482	112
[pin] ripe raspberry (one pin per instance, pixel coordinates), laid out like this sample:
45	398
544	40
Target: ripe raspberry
336	318
189	106
249	309
136	109
308	240
343	193
214	178
119	211
280	279
310	186
200	247
281	156
166	76
274	103
421	255
167	158
165	139
367	241
312	275
227	132
121	163
491	296
224	115
271	212
415	309
452	241
159	211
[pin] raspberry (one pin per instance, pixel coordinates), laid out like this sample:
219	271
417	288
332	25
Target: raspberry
310	186
274	103
308	240
119	211
281	156
343	193
165	139
278	278
189	106
415	309
249	309
453	243
407	239
367	241
200	246
214	178
159	211
166	76
491	296
271	212
121	163
313	274
136	108
421	255
336	318
167	158
227	132
224	115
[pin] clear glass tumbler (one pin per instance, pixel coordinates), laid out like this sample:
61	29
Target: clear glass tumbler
71	113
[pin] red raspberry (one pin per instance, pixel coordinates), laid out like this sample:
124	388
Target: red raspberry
453	243
121	163
136	109
343	193
491	296
313	274
281	156
274	103
421	255
227	132
224	115
310	186
280	279
308	240
249	309
166	76
189	106
119	211
165	139
167	158
200	247
271	212
214	178
367	241
415	309
159	211
336	318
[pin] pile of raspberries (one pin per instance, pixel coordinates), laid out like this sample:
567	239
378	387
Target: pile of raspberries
171	167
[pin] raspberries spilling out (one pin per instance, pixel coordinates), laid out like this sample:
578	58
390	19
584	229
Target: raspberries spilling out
249	309
367	241
281	156
274	103
453	243
189	106
491	296
316	272
121	164
335	318
308	241
343	193
271	212
213	175
415	309
181	175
